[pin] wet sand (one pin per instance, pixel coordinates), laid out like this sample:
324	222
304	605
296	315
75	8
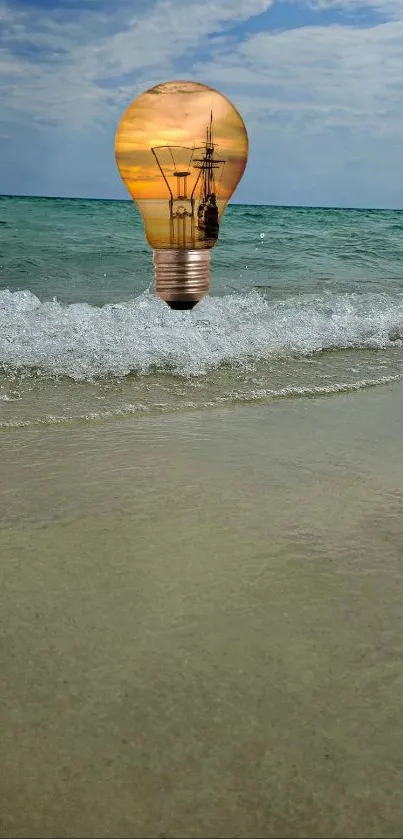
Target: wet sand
201	623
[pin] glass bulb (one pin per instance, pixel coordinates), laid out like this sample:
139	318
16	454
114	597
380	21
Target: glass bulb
181	150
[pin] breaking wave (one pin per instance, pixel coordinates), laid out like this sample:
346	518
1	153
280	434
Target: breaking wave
84	342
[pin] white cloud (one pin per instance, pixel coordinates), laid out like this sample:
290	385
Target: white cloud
73	81
173	28
387	8
333	74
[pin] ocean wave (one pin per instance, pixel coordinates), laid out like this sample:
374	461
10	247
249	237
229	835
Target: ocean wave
84	342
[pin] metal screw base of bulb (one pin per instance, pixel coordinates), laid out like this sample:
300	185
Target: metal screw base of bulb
181	277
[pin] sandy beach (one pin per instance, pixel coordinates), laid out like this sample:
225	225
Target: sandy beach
201	623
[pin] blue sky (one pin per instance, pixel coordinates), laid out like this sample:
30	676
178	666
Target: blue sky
318	82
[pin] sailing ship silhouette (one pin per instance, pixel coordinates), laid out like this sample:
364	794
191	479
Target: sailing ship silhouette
182	205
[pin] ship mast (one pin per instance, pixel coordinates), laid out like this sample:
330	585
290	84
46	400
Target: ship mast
208	181
207	164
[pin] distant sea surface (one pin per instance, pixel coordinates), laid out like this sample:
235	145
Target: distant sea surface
303	302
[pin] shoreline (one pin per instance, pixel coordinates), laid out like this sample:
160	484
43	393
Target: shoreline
128	412
317	430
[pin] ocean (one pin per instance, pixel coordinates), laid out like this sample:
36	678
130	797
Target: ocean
201	530
303	302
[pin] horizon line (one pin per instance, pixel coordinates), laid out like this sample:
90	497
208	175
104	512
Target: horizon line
234	203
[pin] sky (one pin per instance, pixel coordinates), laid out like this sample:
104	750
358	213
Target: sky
319	84
160	132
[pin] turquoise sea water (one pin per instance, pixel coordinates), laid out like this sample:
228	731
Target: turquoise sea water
303	302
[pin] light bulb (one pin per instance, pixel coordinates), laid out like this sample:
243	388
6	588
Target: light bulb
181	149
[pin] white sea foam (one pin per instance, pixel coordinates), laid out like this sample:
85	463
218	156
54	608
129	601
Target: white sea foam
83	342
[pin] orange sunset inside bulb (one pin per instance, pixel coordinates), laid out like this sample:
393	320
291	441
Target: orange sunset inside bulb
181	149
